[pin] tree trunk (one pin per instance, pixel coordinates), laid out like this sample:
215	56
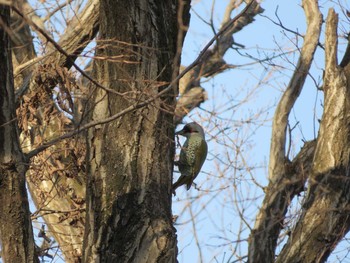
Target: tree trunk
15	225
131	159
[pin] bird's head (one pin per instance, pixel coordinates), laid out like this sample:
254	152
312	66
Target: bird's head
191	129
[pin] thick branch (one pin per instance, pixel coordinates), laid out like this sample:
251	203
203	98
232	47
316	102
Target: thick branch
263	239
79	33
280	121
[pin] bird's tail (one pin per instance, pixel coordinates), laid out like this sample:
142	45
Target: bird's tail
184	179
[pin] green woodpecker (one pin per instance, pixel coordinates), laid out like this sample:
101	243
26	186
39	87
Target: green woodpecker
192	155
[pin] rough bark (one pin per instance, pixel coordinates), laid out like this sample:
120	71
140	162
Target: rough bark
281	188
325	219
23	47
131	159
15	225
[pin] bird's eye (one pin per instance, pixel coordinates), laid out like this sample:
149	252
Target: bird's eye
187	129
191	130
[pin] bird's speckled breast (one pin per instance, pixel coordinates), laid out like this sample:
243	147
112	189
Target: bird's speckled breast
188	153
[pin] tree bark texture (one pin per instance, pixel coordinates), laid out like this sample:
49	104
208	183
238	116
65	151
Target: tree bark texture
284	180
16	232
22	44
325	219
131	159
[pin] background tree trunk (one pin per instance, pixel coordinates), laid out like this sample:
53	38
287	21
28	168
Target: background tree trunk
325	218
284	182
15	225
130	160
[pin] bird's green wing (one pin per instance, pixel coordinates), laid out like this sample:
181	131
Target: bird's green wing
201	155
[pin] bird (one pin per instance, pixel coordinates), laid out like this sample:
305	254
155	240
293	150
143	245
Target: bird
192	155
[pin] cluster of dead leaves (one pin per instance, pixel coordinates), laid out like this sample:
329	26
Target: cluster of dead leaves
63	167
47	107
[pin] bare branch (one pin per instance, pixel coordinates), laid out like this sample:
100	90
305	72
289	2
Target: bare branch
331	42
